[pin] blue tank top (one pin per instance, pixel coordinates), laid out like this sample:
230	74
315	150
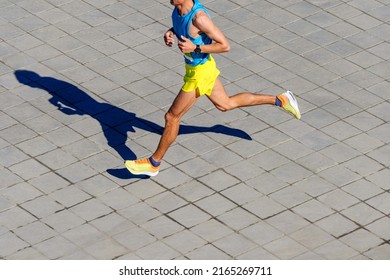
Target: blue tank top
181	26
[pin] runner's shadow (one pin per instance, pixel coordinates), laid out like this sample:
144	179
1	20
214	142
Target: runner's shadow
114	121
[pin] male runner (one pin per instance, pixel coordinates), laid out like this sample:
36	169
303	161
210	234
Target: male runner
198	38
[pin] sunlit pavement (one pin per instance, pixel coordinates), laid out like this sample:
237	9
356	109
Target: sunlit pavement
85	85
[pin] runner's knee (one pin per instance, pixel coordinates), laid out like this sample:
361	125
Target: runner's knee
226	106
171	117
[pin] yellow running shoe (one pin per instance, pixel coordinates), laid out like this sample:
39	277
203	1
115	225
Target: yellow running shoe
290	104
142	167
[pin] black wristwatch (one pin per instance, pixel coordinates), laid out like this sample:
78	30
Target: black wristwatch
197	49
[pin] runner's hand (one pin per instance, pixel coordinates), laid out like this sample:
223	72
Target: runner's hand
185	45
169	38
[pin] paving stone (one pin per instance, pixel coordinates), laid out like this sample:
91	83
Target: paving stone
69	196
313	210
215	204
316	162
380	178
381	111
15	217
112	224
106	249
379	253
364	143
144	189
166	202
189	216
102	161
6	203
211	230
29	169
139	213
293	149
338	200
261	233
76	172
361	240
341	130
208	252
380	228
63	221
184	241
57	159
339	175
291	172
257	254
264	207
323	19
10	155
362	213
238	218
241	194
337	225
380	155
46	124
285	248
303	9
162	227
266	183
8	178
62	245
363	165
287	222
381	50
234	244
28	253
118	199
380	69
193	191
379	133
35	232
172	177
380	203
244	170
343	29
91	209
10	244
290	196
246	149
23	112
336	250
308	256
364	22
20	193
364	121
83	235
49	182
36	146
311	236
42	206
157	251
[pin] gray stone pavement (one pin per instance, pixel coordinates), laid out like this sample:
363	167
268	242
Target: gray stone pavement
84	84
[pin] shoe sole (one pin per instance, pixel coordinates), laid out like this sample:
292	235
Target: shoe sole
294	103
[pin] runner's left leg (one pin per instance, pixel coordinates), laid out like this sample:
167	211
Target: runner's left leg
182	103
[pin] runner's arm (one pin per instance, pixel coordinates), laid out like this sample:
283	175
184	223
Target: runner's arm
205	25
169	37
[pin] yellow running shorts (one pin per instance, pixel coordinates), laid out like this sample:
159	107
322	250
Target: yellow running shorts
201	78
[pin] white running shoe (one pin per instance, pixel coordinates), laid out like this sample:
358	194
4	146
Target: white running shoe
290	104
